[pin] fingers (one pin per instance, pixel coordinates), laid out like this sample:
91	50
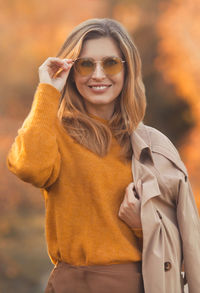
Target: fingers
53	64
131	194
64	64
131	186
52	61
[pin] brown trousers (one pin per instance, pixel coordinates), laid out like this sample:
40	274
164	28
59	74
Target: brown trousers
115	278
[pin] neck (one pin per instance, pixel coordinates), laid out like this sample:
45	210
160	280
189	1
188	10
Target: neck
102	111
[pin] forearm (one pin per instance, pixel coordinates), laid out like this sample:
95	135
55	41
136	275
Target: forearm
34	155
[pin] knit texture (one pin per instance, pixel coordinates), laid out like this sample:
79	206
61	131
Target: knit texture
82	191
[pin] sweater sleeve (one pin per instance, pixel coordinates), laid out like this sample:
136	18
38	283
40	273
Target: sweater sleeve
34	156
138	233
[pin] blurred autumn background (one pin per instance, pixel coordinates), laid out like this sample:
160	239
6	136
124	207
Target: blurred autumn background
167	34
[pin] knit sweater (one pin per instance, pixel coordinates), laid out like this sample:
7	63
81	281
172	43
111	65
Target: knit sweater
82	191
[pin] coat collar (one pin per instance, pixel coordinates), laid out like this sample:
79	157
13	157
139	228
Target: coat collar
141	144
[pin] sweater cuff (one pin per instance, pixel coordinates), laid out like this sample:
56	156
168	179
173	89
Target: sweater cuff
45	105
46	99
138	233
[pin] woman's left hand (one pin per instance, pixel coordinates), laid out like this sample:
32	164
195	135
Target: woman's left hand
129	210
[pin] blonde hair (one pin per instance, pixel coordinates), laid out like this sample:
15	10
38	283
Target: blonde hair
130	105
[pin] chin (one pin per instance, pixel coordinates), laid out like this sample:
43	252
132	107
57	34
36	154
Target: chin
100	101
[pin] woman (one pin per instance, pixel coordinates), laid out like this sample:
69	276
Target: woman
120	214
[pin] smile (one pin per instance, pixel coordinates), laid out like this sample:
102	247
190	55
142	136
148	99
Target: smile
99	87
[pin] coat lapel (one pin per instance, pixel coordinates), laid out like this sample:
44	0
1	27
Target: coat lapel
145	181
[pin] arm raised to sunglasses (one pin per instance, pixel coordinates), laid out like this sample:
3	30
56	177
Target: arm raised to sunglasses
55	71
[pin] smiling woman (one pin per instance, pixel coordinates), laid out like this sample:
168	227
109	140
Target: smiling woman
110	183
105	91
99	88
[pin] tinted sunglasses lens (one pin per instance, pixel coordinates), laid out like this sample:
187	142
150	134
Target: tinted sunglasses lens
84	66
112	65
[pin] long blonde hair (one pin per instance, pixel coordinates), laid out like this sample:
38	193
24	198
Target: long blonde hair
130	105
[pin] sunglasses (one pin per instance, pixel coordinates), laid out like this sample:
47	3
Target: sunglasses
110	65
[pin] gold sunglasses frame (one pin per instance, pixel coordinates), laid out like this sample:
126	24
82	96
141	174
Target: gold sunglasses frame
99	61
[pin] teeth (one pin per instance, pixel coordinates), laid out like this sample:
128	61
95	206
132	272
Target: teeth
99	87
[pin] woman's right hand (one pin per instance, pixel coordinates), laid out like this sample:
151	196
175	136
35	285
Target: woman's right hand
55	71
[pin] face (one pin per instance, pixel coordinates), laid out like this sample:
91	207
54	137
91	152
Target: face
98	88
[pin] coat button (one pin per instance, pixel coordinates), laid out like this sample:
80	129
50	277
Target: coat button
168	266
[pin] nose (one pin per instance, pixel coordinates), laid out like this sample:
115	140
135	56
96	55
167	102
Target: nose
98	72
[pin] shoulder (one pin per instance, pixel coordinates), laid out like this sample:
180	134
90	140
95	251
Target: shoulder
154	138
160	143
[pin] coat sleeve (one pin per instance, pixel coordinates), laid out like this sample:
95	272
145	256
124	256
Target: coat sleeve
34	156
189	226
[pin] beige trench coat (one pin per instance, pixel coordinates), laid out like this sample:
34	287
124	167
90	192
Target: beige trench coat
170	221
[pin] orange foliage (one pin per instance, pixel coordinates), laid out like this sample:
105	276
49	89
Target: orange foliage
128	14
179	61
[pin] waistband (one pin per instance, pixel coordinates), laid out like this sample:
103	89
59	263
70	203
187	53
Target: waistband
122	267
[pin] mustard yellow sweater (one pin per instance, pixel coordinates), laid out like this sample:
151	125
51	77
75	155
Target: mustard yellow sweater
82	191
